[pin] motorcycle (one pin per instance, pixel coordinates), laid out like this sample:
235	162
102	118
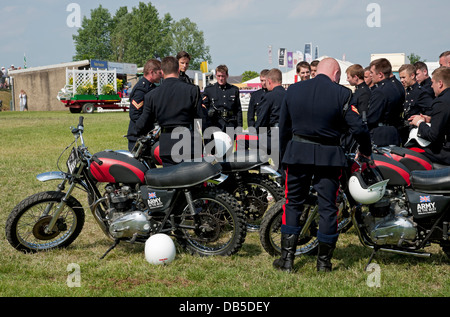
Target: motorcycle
250	179
137	202
391	208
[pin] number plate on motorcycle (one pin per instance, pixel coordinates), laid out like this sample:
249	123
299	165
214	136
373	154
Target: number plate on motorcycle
72	161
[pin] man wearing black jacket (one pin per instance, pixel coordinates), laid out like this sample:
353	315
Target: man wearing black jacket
173	104
384	116
438	132
152	76
312	117
256	98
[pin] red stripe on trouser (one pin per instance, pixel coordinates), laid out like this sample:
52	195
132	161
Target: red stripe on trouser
335	201
283	219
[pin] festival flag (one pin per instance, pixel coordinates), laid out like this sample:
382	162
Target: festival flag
204	67
282	57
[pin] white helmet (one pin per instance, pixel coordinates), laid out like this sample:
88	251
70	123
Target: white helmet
222	143
159	249
363	193
413	136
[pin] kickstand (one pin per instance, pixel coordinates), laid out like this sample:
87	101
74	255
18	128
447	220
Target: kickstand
116	242
371	258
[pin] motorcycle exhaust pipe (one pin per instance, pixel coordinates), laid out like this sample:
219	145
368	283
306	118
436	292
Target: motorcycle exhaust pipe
418	254
98	217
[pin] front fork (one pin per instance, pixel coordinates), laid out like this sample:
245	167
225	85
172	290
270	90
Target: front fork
62	204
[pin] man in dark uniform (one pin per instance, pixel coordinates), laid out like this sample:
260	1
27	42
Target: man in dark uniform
438	133
222	102
422	77
417	99
269	113
312	118
361	96
173	104
183	60
256	99
152	75
384	116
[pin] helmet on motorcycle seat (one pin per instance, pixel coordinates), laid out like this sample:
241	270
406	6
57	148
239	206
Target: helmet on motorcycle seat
363	193
222	143
159	249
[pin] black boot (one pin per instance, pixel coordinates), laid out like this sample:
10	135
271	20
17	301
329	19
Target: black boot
324	256
288	246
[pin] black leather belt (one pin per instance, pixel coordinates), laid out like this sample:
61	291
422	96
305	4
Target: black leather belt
315	140
170	129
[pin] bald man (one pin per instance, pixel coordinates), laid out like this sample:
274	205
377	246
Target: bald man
311	119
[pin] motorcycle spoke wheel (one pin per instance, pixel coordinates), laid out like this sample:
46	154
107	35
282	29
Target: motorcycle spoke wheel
27	223
270	233
218	226
257	196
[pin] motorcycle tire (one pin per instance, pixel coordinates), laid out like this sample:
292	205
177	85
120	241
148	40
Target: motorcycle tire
270	233
25	225
218	226
260	192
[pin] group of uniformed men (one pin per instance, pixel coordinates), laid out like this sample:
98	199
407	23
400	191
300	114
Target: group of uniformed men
310	115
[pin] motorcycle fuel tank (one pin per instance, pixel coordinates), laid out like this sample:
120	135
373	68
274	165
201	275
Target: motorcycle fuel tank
117	168
411	159
397	173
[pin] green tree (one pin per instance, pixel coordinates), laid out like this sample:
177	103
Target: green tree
138	35
93	40
119	34
413	58
249	74
145	34
187	37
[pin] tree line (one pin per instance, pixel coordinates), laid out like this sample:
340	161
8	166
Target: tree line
138	35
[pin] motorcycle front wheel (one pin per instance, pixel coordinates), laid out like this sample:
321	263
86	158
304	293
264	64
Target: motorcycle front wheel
270	232
217	227
25	227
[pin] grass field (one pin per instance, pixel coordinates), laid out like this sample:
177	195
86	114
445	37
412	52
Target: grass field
31	142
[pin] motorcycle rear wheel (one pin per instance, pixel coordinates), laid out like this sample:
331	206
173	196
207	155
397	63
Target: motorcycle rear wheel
218	226
25	227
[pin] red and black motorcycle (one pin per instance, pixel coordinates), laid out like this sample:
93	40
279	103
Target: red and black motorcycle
136	203
250	177
391	208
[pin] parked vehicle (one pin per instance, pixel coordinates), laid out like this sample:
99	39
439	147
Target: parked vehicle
135	203
392	209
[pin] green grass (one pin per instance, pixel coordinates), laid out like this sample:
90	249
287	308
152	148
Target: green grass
31	142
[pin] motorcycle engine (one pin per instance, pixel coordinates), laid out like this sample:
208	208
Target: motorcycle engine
127	219
389	222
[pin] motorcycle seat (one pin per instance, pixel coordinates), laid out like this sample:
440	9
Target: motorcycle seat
433	181
243	161
182	175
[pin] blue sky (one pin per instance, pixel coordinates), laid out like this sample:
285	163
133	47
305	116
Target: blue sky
240	31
